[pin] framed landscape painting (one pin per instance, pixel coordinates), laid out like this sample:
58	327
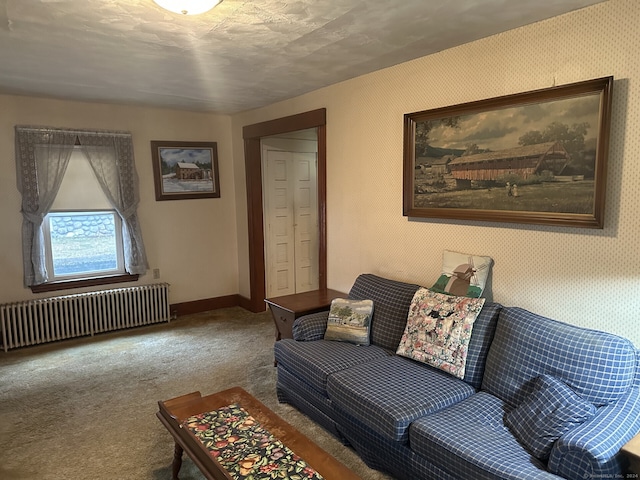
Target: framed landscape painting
184	170
537	157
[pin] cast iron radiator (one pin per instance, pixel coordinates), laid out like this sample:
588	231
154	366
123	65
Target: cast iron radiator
68	316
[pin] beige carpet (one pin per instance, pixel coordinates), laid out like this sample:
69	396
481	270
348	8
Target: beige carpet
85	408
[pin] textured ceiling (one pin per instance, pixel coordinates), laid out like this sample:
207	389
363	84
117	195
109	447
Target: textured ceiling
243	54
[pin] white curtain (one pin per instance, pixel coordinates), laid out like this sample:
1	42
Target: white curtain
111	157
42	156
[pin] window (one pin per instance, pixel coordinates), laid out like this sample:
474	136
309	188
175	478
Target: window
82	232
83	244
80	193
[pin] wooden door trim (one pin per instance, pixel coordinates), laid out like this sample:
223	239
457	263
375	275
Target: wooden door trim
253	172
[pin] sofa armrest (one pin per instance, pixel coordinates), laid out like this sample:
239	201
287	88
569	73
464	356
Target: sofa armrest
592	450
310	327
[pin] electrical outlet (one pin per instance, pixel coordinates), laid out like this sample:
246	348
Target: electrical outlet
156	273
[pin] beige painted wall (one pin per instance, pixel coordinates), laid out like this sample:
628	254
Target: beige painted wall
192	242
582	276
586	277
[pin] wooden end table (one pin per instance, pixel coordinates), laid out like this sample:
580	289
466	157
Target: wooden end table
631	449
287	308
175	411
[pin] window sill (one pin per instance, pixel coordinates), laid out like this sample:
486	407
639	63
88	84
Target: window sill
85	282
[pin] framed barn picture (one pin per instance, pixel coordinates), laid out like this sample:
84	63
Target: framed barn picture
184	170
538	157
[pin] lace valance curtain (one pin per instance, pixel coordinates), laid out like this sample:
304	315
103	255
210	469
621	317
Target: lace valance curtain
42	156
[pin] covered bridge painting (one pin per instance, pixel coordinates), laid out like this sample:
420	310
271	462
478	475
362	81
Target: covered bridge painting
521	161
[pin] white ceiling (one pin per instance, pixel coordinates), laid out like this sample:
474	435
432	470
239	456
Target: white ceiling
243	54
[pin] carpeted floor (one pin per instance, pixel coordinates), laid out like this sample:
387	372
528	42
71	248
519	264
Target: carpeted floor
85	408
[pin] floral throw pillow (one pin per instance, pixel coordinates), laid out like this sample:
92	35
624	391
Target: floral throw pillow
438	330
349	321
463	274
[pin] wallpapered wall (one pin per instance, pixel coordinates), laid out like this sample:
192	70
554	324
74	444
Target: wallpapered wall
581	276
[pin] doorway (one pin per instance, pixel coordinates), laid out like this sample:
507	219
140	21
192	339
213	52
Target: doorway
290	212
252	135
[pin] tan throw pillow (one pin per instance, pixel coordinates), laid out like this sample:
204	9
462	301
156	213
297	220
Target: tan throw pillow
438	330
349	321
463	274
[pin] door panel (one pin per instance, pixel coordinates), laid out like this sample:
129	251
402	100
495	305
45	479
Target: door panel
290	221
306	222
279	226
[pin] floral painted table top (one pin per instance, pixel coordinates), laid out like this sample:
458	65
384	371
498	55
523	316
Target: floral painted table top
244	448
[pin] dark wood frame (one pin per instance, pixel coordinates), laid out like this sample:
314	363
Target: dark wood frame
156	145
601	87
253	169
287	308
172	413
83	282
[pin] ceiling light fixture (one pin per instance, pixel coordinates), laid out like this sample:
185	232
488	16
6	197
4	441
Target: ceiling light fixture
188	7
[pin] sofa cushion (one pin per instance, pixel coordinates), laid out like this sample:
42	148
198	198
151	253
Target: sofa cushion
550	411
390	393
438	330
295	391
484	329
383	454
598	366
315	361
463	274
469	440
349	321
391	300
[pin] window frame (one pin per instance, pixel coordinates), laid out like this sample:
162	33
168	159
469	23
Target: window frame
46	230
103	277
87	282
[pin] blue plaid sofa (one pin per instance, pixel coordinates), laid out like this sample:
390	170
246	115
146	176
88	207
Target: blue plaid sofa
417	422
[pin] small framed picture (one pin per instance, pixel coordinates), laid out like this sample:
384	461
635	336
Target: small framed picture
184	170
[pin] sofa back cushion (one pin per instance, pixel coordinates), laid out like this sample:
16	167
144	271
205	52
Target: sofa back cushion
484	329
391	301
598	366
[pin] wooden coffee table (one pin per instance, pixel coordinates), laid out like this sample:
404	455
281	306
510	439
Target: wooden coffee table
173	412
